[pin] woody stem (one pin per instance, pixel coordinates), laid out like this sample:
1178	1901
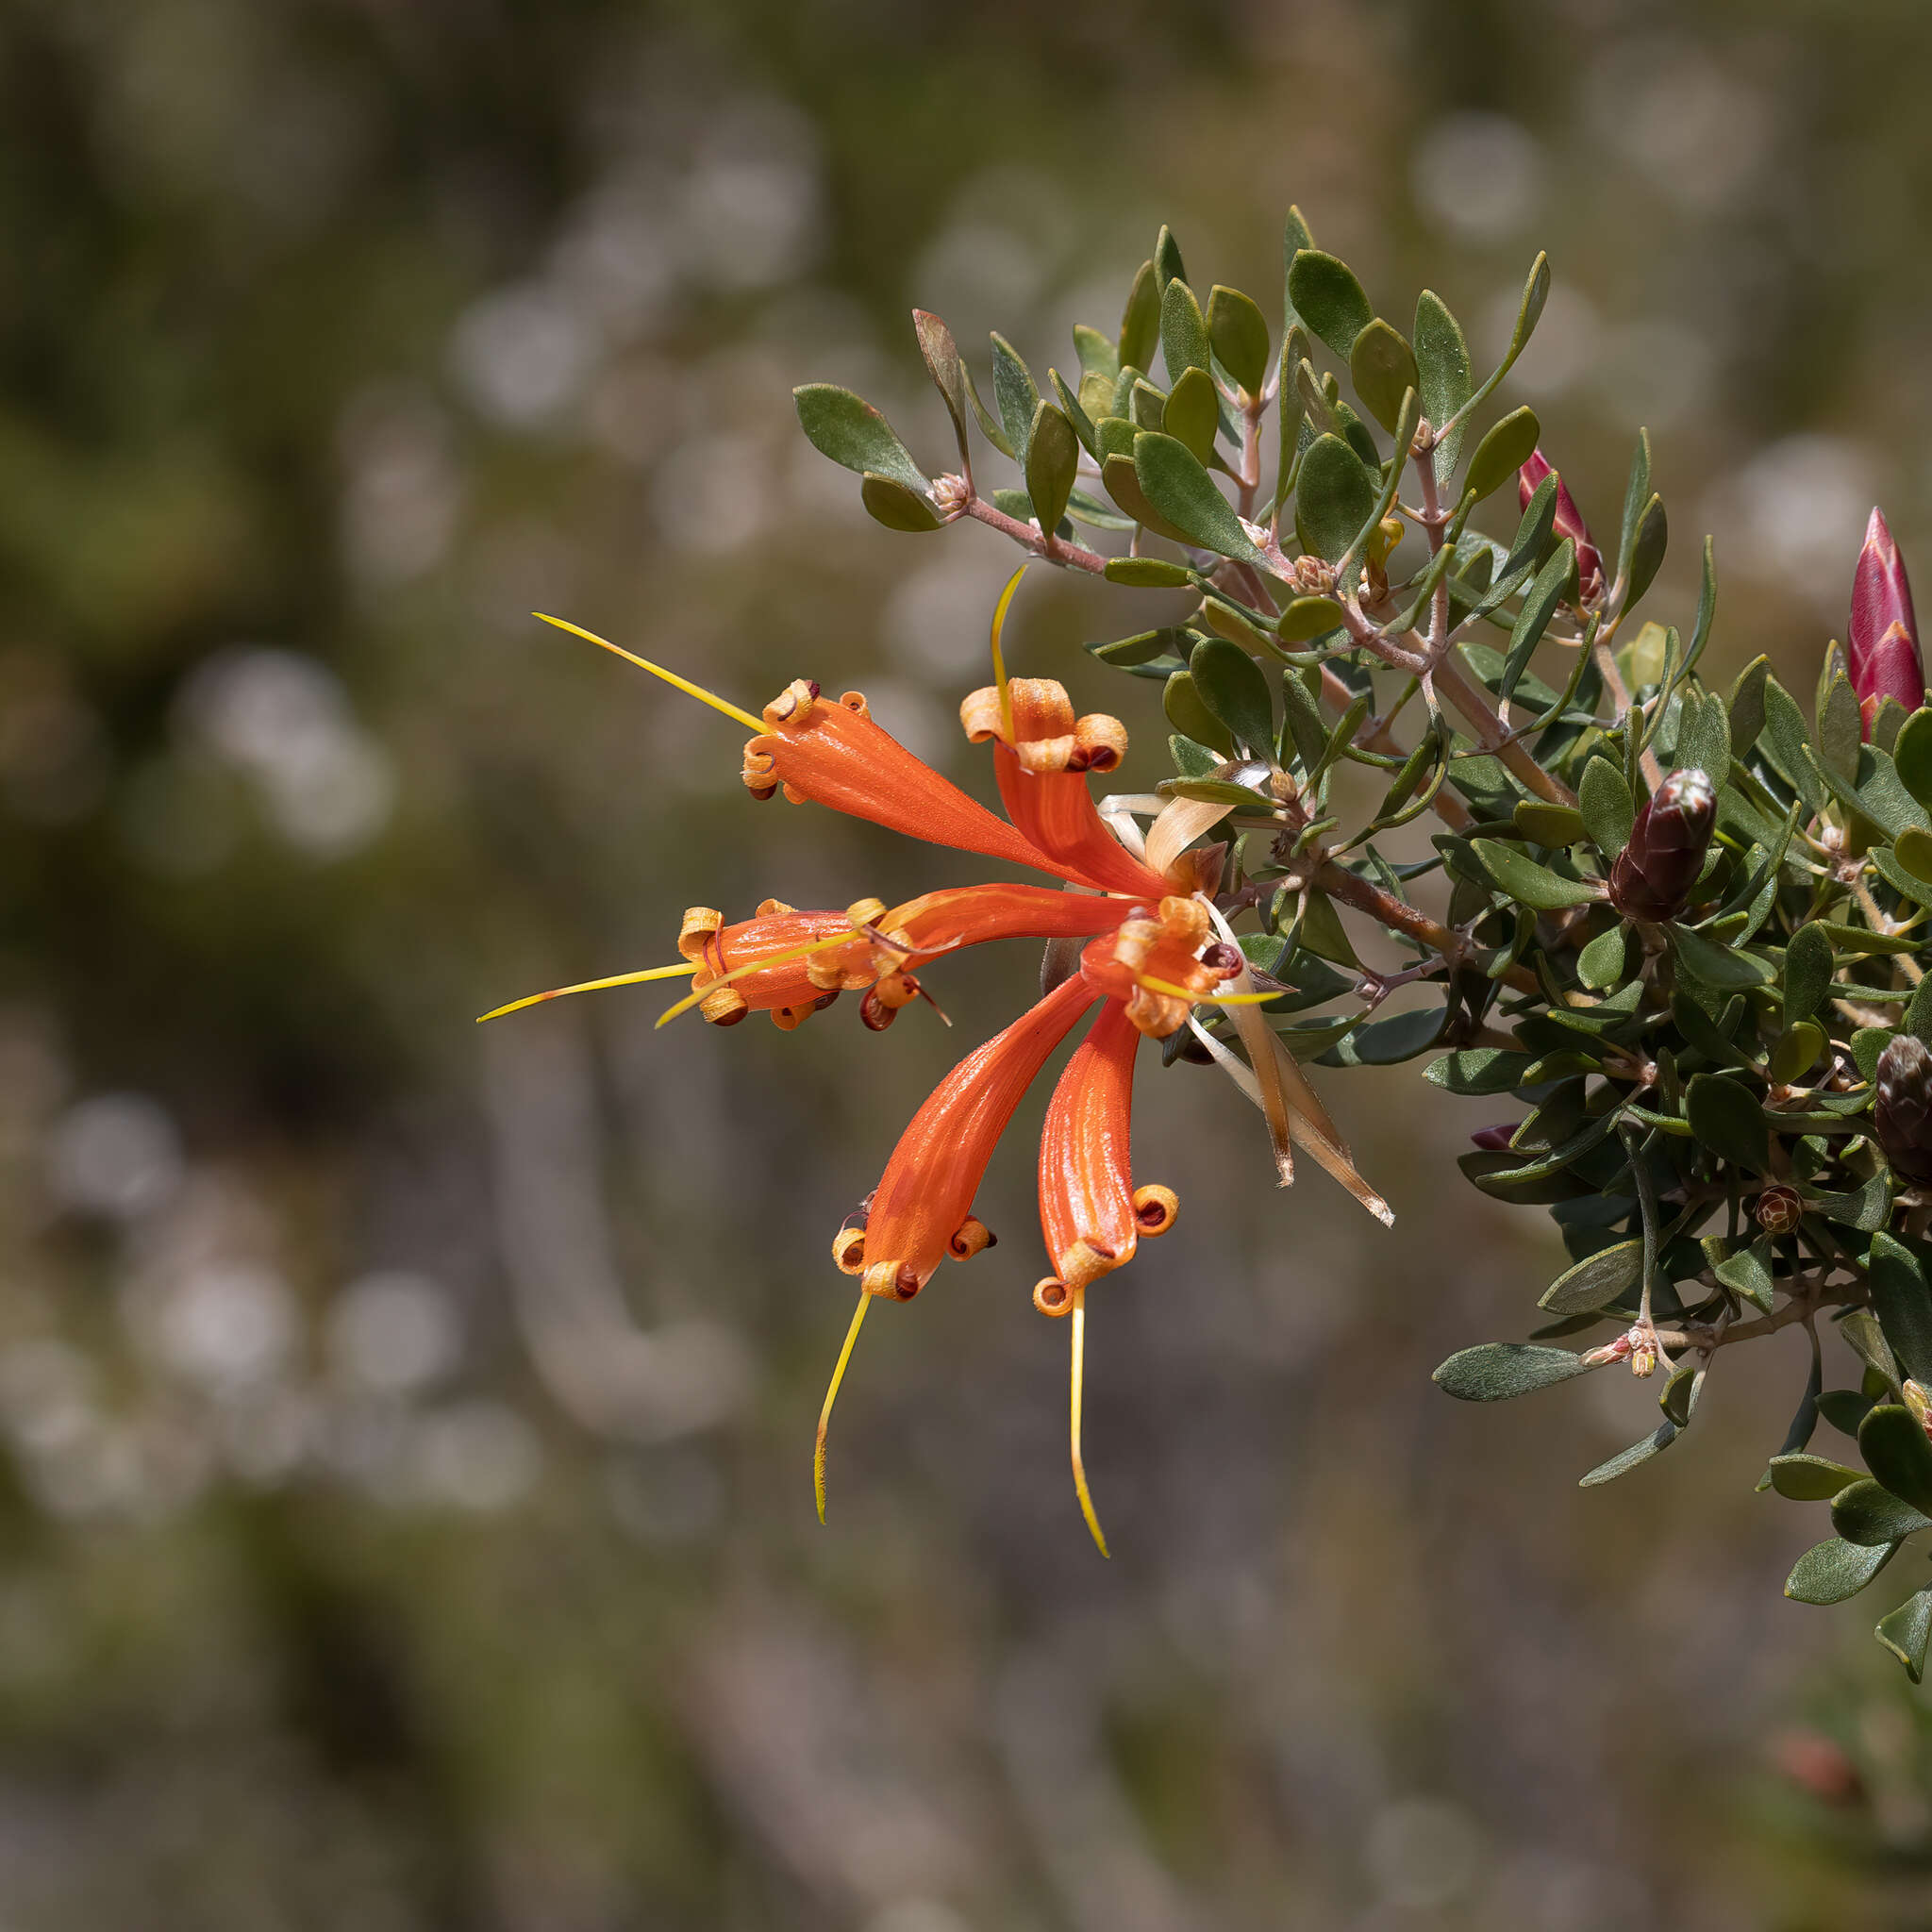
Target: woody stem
1054	549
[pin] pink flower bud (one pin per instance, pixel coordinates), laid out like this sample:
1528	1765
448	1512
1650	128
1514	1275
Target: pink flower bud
1569	523
1882	641
1495	1140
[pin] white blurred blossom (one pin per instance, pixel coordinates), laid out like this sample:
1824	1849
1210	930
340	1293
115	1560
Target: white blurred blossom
480	1456
522	355
1423	1853
401	488
1795	514
116	1154
1481	174
283	719
394	1333
228	1328
1563	349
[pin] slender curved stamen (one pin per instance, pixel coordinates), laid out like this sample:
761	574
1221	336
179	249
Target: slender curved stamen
1207	999
556	992
818	1454
1080	1488
999	662
711	985
683	684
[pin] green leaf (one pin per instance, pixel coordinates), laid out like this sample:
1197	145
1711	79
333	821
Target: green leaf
1076	413
1905	1632
1865	1335
1328	299
1798	1050
1234	689
1912	753
1141	320
1529	883
1723	968
1535	292
1864	1208
1053	460
1918	1014
1704	737
1636	495
1383	369
1747	705
948	371
1148	573
1306	618
1183	331
1901	1300
1604	960
1193	414
1239	333
1647	552
1098	356
1808	968
1547	823
1477	1070
1678	1396
1167	258
1442	357
1809	1478
1596	1281
1840	726
1728	1121
1014	393
1633	1457
1834	1571
1913	848
1748	1271
1540	604
1608	808
1322	931
1869	1514
849	430
1335	497
1892	1441
1182	491
1844	1409
1497	1370
1191	717
1508	445
1123	483
1707	610
890	503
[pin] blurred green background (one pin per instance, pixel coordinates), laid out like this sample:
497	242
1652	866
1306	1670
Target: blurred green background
406	1505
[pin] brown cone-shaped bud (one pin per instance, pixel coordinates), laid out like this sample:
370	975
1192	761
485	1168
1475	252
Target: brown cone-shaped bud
1779	1209
1654	873
1902	1111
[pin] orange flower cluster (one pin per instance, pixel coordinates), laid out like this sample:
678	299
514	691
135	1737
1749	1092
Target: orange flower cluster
1151	954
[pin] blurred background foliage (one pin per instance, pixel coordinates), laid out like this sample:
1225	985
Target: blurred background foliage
406	1505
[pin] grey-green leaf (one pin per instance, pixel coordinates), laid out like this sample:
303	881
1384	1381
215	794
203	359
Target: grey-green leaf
1648	551
1869	1514
1335	497
1183	331
1234	688
1893	1444
1905	1631
1809	1478
1053	460
948	369
1014	392
1911	755
1596	1281
1141	320
1441	357
1328	299
1834	1571
1902	1299
1497	1370
1529	883
1508	445
890	503
1238	334
1383	368
1175	482
1808	967
1608	808
848	429
1728	1121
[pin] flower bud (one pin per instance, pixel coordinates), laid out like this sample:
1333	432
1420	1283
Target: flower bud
1569	523
1882	640
1902	1114
1654	873
1778	1209
1918	1400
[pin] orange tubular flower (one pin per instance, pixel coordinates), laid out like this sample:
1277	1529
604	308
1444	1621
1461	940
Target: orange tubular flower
922	1206
791	989
1042	754
1153	963
1090	1211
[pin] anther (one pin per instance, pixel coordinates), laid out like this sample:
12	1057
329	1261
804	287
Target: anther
1154	1208
972	1237
700	923
906	1284
1051	1297
725	1007
848	1250
873	1013
772	909
1222	959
